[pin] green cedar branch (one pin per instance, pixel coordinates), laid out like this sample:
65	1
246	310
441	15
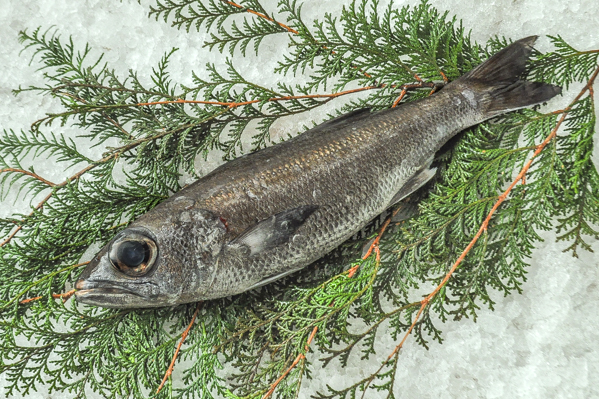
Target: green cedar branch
424	303
262	333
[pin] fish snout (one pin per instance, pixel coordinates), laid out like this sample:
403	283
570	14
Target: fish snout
80	284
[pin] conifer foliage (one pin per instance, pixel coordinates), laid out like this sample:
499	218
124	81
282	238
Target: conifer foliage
392	55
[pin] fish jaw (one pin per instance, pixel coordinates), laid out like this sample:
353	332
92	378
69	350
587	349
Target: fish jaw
116	298
101	285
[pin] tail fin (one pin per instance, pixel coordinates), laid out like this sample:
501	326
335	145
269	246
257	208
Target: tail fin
497	81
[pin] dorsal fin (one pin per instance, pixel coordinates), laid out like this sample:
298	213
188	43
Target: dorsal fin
350	117
413	184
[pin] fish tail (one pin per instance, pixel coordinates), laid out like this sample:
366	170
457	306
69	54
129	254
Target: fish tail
498	84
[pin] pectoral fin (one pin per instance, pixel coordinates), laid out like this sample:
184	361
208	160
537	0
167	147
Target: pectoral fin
414	183
274	231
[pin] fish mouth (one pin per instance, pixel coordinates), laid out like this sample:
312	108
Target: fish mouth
102	287
106	290
99	293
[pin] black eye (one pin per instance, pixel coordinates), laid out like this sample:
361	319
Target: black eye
133	254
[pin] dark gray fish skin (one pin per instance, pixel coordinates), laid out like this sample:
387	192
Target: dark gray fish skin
270	213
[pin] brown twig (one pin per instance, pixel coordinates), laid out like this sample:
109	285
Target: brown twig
19	227
483	228
169	371
404	90
444	76
48	276
434	90
65	297
291	30
56	186
238	104
111	120
299	357
29	173
401	96
375	243
266	17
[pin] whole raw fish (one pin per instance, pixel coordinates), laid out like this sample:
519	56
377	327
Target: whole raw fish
270	213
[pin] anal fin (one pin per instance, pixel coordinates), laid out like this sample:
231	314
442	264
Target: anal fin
270	279
414	183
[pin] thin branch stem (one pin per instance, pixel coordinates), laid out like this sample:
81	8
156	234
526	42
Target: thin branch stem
46	277
169	371
54	187
300	356
64	296
238	104
230	105
27	172
400	97
266	17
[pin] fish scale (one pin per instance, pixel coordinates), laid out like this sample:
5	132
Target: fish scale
267	214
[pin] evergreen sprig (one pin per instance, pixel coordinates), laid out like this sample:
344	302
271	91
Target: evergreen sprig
153	132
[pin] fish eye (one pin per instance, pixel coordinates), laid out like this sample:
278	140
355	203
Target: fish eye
133	254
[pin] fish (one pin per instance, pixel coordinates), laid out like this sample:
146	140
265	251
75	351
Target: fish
270	213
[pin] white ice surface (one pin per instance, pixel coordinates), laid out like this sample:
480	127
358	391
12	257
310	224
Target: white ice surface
541	344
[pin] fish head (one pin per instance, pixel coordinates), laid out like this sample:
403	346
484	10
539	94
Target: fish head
166	257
